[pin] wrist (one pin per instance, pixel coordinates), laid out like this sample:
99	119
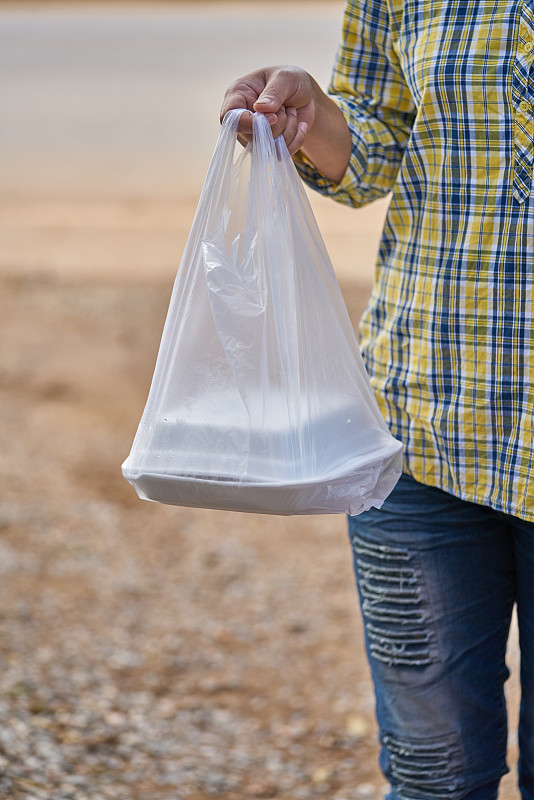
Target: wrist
328	142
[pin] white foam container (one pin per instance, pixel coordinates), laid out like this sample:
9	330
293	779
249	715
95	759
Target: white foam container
209	455
356	486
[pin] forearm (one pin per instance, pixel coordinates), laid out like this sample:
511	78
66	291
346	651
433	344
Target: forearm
298	109
328	141
371	90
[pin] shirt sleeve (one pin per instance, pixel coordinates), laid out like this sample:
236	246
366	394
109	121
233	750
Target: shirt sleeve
369	86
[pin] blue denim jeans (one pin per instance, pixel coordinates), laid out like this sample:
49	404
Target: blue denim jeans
438	578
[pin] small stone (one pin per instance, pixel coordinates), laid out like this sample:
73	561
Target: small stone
365	791
261	789
115	719
223	635
356	726
42	722
321	774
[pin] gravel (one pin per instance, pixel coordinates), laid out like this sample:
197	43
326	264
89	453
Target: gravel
151	651
148	651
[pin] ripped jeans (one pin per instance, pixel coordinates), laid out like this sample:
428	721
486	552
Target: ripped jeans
438	578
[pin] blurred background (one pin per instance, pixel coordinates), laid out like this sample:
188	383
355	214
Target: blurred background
151	651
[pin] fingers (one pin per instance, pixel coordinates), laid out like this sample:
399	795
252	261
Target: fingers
245	123
291	125
283	94
293	130
243	93
298	140
284	86
286	124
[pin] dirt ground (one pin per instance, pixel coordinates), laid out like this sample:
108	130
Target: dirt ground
246	617
150	651
232	640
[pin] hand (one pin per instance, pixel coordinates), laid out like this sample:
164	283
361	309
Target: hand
296	108
284	94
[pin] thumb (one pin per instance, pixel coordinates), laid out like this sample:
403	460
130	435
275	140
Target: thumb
268	102
275	91
284	85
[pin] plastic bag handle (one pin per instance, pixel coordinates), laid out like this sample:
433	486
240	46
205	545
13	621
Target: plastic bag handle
218	177
231	119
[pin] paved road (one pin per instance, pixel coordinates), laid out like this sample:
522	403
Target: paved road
123	100
107	104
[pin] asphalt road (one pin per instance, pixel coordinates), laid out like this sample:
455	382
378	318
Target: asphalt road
109	116
123	100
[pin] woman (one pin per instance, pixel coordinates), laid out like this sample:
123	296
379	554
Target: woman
432	100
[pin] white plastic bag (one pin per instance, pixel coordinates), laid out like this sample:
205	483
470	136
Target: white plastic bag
260	400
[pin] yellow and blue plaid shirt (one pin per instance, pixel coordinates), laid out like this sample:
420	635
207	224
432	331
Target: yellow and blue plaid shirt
439	98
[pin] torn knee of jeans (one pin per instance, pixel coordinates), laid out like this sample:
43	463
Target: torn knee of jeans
429	769
398	622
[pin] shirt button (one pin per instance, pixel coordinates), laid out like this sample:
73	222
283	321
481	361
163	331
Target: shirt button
527	47
524	106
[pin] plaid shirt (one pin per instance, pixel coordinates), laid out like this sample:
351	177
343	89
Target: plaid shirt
439	103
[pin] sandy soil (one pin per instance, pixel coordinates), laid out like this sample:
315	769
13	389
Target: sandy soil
263	608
